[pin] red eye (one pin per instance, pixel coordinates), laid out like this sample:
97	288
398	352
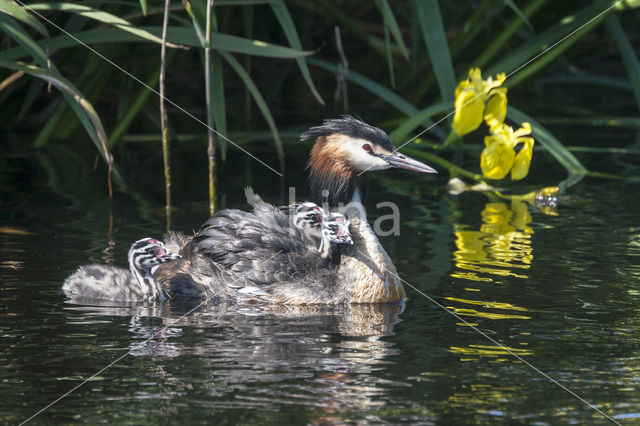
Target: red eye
366	147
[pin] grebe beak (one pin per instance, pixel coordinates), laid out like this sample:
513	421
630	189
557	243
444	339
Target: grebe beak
401	161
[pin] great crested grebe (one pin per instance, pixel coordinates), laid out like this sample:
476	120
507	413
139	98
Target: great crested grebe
262	256
106	282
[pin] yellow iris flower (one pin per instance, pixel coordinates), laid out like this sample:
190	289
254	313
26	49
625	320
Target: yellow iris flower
478	99
499	156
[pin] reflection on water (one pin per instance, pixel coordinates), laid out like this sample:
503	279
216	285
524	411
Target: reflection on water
328	352
502	245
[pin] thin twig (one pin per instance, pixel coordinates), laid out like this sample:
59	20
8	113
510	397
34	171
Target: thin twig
163	116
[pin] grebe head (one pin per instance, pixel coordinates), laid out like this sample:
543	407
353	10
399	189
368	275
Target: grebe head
308	215
147	253
335	229
345	148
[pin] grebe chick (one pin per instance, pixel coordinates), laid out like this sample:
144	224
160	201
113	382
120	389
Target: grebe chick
318	225
335	230
106	282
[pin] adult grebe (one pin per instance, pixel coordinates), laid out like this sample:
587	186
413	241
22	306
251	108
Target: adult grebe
262	256
106	282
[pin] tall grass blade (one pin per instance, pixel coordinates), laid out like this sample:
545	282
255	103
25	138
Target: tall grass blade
628	53
100	16
283	16
550	142
518	12
12	9
436	40
87	114
29	47
391	22
260	102
178	35
143	7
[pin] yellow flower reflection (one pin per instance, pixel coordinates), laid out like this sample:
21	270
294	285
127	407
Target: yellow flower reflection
499	156
476	99
502	245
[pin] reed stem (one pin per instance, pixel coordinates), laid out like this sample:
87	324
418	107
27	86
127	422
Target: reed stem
211	149
163	117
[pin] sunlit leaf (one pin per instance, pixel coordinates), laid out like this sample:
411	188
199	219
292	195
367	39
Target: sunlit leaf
97	15
178	35
143	7
12	9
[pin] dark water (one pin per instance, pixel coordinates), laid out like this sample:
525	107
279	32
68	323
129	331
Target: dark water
562	292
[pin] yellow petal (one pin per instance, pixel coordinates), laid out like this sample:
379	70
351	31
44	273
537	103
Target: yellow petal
496	108
468	115
496	160
522	160
523	131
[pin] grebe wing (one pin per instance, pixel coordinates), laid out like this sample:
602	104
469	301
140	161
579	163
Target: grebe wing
249	253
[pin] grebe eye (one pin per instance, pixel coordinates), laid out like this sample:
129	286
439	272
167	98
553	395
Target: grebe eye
366	147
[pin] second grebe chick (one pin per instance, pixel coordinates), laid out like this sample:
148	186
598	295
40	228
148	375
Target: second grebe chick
318	225
335	230
106	282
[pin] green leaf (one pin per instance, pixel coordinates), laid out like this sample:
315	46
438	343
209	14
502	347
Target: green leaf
12	9
143	7
628	53
533	50
283	16
550	142
390	21
627	4
97	15
179	35
380	92
29	47
196	24
262	105
436	40
518	12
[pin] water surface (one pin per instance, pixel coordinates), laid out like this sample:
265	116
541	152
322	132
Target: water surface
562	292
